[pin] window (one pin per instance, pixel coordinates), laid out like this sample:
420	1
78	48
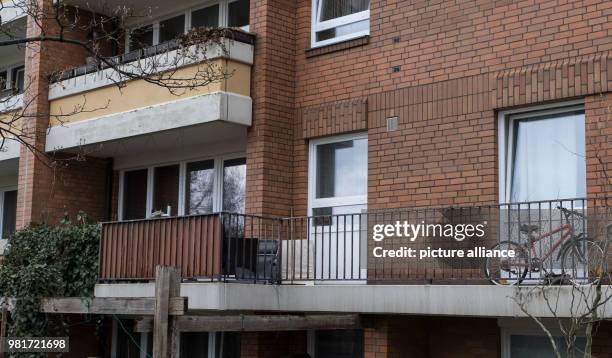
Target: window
185	188
225	13
18	79
166	190
338	172
200	184
9	212
336	343
539	346
339	20
12	78
3	80
135	194
206	17
141	37
234	180
171	28
544	155
238	13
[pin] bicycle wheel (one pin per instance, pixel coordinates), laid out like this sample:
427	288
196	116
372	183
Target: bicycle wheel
584	262
507	270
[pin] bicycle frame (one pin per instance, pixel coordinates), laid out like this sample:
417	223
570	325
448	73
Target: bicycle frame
567	230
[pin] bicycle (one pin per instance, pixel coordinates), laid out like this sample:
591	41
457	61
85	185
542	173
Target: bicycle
582	260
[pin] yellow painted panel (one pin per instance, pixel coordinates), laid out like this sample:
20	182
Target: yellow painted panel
139	93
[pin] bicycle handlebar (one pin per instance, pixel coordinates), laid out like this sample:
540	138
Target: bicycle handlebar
569	212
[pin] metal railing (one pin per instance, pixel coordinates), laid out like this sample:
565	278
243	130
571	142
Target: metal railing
355	247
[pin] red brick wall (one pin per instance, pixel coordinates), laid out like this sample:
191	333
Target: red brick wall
459	65
432	337
269	145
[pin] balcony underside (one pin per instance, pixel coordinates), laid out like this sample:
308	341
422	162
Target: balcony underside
210	116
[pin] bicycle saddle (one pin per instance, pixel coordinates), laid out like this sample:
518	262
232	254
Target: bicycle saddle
528	229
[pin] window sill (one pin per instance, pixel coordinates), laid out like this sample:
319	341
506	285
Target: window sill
338	46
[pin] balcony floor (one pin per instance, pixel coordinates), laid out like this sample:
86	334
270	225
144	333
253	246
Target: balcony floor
446	300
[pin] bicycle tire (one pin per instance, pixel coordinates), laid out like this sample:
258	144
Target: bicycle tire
520	276
582	260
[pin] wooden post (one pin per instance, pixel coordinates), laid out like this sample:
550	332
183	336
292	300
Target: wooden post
167	285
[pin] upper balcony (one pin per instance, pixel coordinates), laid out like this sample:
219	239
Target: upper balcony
156	83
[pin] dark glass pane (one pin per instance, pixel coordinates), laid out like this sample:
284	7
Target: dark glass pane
339	344
194	344
18	79
206	17
165	189
333	9
9	210
342	169
238	13
171	28
234	182
141	37
199	187
3	78
135	194
127	339
228	345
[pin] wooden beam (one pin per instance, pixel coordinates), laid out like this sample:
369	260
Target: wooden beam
137	306
253	322
167	285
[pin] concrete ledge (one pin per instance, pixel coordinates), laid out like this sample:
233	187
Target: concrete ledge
218	106
449	300
10	150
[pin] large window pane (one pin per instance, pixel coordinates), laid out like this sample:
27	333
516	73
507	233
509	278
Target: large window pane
339	344
238	13
199	187
18	79
141	37
3	79
234	182
332	9
228	345
9	211
135	194
165	189
341	169
206	17
194	345
549	158
171	28
524	346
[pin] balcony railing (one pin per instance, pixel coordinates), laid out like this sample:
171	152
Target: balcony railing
139	54
359	247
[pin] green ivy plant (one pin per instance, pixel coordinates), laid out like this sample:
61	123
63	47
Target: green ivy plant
48	261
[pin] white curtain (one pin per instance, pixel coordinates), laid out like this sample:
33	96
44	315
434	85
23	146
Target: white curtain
549	158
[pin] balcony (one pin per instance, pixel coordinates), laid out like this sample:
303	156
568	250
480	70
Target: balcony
107	114
357	248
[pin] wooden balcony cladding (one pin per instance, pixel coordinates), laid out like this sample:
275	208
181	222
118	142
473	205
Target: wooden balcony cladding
131	250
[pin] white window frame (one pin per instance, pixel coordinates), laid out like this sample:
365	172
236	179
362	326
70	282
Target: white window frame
317	26
523	328
218	160
223	15
313	201
9	73
506	133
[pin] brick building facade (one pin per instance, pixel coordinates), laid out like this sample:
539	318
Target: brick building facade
431	87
